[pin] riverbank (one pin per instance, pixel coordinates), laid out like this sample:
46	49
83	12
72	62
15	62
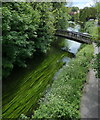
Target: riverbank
89	101
63	100
25	87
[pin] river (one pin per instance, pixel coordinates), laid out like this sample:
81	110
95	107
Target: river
24	87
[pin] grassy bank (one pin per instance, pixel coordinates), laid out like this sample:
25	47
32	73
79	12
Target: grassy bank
63	100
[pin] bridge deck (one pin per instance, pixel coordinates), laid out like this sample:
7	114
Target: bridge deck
76	36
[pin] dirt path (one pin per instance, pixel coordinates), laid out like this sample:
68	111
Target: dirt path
89	100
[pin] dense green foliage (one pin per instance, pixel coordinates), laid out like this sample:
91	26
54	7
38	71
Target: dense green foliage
97	58
61	15
46	26
96	65
74	12
29	28
63	100
83	15
89	16
20	22
97	7
93	28
74	9
87	13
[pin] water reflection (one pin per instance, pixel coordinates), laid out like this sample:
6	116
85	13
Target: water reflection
66	60
69	46
74	46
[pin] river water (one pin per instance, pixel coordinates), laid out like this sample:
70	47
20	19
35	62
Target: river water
24	87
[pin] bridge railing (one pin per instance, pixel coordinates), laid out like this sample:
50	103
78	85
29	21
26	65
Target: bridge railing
75	35
73	32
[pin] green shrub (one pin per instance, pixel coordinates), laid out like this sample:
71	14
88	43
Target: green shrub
29	28
96	65
20	22
63	100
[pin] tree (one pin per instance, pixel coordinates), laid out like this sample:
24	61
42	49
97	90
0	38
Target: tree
74	9
46	27
20	22
61	15
74	12
29	28
87	13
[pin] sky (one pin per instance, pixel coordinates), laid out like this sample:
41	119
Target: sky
81	3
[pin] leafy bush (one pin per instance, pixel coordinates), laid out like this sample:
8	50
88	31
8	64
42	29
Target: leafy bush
96	65
28	28
20	22
63	100
61	15
87	13
45	31
92	28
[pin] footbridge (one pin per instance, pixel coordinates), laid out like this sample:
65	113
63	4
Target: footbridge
76	36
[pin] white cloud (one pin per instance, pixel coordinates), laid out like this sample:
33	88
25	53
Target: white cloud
79	1
82	3
91	3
